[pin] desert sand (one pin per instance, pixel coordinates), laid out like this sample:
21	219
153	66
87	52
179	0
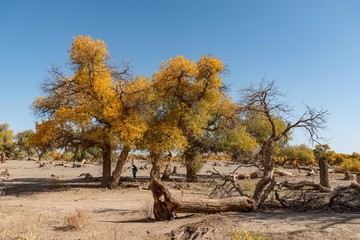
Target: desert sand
38	202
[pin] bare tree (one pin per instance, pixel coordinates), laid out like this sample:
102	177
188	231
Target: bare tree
265	100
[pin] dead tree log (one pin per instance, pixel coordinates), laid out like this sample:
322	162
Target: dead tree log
165	206
256	174
303	184
228	187
311	173
283	173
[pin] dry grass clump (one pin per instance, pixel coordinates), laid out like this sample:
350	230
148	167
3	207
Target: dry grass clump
21	230
76	220
26	236
238	234
248	185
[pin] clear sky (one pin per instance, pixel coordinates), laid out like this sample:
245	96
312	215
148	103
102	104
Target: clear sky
311	48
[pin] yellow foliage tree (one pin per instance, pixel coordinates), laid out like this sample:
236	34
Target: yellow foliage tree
186	93
227	133
96	106
6	141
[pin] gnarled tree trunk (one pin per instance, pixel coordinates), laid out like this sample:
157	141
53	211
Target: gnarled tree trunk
165	206
119	166
190	158
106	175
260	193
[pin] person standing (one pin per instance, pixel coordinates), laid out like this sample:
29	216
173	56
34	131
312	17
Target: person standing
134	171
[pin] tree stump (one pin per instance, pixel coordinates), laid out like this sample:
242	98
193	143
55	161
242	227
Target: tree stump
165	206
2	157
324	173
348	175
167	172
257	174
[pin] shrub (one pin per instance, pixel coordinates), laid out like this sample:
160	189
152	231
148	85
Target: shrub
248	185
76	220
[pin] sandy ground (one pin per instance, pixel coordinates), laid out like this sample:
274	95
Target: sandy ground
39	201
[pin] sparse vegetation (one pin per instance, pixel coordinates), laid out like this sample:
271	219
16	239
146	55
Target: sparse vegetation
239	234
76	220
350	164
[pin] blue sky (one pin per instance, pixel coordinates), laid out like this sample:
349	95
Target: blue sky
311	48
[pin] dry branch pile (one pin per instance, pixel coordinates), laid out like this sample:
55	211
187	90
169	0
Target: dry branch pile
346	199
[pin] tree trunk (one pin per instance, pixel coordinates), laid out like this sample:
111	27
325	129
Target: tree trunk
167	172
165	206
155	169
269	168
324	173
358	178
2	156
174	171
190	164
106	175
119	166
75	156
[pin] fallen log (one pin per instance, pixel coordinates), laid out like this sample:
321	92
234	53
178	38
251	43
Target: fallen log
166	207
242	176
311	173
283	173
302	184
256	174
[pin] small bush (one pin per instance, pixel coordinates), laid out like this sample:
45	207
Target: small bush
76	220
248	185
196	164
238	234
